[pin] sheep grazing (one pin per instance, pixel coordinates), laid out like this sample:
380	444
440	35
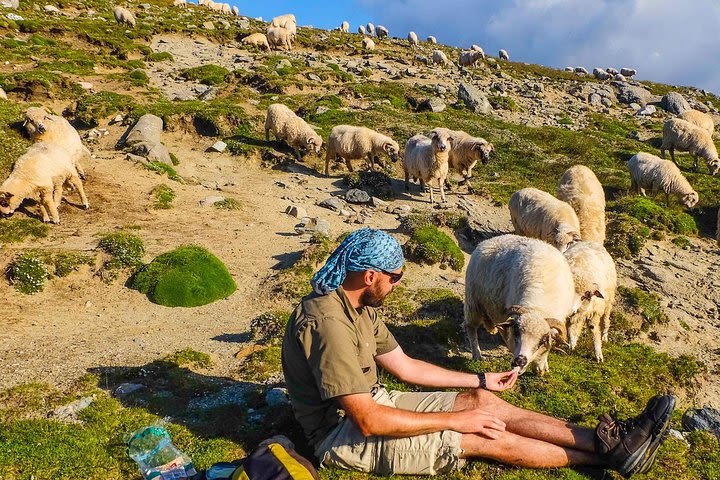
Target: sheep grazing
601	74
225	8
595	278
465	153
40	174
345	27
426	159
439	58
682	135
581	70
370	29
432	40
361	29
581	189
287	21
522	288
477	48
350	143
124	16
257	39
611	71
538	214
628	72
42	126
279	38
180	3
381	32
368	43
469	58
699	119
413	39
657	175
291	129
235	11
504	55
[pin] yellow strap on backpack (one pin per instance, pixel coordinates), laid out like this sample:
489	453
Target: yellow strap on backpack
296	469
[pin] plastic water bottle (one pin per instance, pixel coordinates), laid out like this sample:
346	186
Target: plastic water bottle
157	457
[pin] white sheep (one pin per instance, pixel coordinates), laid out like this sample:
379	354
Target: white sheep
595	279
466	151
361	29
538	214
439	57
477	48
381	32
279	38
524	289
581	189
287	21
368	43
717	228
619	78
257	39
413	39
612	71
235	11
370	29
40	174
349	143
699	119
469	58
657	175
345	27
581	70
291	129
180	3
226	9
123	15
682	135
628	72
601	74
426	159
503	55
432	39
42	126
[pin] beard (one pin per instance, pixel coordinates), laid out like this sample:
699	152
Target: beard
372	297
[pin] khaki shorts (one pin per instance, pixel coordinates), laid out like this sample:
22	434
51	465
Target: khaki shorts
346	447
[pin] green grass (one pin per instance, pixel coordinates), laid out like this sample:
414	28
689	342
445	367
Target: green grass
261	365
163	196
125	249
13	230
189	358
160	57
228	204
269	327
206	74
12	143
163	168
376	184
430	245
655	216
64	263
188	276
626	235
645	304
28	273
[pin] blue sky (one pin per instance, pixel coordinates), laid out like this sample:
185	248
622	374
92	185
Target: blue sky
667	41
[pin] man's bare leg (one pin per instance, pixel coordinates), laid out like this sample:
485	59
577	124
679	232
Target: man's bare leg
526	423
513	449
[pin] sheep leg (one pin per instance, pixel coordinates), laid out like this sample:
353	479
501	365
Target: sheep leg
597	340
44	213
379	162
441	186
298	155
329	155
77	184
467	182
46	200
432	195
407	181
57	193
696	167
267	134
472	338
672	155
574	330
605	325
349	165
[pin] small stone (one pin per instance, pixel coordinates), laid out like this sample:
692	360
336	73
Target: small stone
321	109
312	225
346	213
218	146
332	203
117	119
68	413
356	195
402	210
208	26
434	104
135	158
211	200
3	95
314	78
378	203
88	304
144	6
296	211
14	17
127	388
276	397
647	110
702	419
283	64
51	9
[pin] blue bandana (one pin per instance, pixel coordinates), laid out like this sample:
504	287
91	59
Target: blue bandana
365	249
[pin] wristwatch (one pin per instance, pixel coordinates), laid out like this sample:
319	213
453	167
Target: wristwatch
483	381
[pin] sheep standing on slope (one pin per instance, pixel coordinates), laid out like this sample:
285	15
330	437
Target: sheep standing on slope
504	55
699	119
42	126
426	159
361	29
345	27
123	15
538	214
681	135
279	38
470	58
180	3
432	40
291	129
413	39
235	11
657	175
524	289
439	58
595	278
368	43
349	143
382	32
288	22
478	49
581	189
370	29
257	39
40	173
465	153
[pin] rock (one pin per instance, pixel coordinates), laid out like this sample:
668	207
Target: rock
676	434
51	9
595	99
243	23
314	78
702	419
356	195
85	85
675	103
628	72
310	225
619	78
434	104
321	109
647	110
276	397
581	70
218	146
117	119
135	158
606	102
402	210
225	24
69	413
14	17
601	74
231	395
283	63
10	3
700	107
144	6
208	26
332	203
473	98
148	129
3	95
569	69
631	94
378	203
211	200
208	94
296	211
127	388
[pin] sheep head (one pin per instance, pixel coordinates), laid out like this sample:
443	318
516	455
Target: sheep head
314	142
563	238
36	120
392	149
691	199
5	207
530	337
441	139
484	149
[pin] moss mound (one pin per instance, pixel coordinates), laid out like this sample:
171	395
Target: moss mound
626	235
188	276
657	217
430	245
18	229
207	74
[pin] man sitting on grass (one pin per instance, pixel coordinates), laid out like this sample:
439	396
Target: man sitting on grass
334	343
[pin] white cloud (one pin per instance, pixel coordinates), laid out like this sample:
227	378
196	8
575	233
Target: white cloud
665	40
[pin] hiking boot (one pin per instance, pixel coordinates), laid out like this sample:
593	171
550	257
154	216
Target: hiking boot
658	437
626	445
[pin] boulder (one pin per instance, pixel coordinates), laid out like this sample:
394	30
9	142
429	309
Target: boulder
631	94
148	129
51	9
332	203
581	70
675	103
357	196
434	104
218	146
296	211
647	110
702	419
473	98
276	397
10	3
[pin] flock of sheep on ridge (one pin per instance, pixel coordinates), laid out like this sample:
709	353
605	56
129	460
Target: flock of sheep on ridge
538	287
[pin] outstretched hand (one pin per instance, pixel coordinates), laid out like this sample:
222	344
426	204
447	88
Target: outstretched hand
497	382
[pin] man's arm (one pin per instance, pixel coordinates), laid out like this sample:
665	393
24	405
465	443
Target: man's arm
425	374
372	418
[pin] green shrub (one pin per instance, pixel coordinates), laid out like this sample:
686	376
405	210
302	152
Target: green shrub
451	220
29	26
138	77
655	216
206	74
645	304
502	103
160	57
269	327
18	229
67	262
164	197
262	365
189	358
28	273
682	242
377	184
626	236
188	276
565	120
160	167
228	204
125	249
174	159
93	107
428	244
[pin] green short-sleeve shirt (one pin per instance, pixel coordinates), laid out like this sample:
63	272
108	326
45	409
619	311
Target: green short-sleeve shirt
328	351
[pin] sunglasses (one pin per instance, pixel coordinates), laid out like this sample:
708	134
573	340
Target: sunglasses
394	277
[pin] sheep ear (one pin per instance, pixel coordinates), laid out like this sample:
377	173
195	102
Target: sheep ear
558	329
433	135
516	310
576	237
309	140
